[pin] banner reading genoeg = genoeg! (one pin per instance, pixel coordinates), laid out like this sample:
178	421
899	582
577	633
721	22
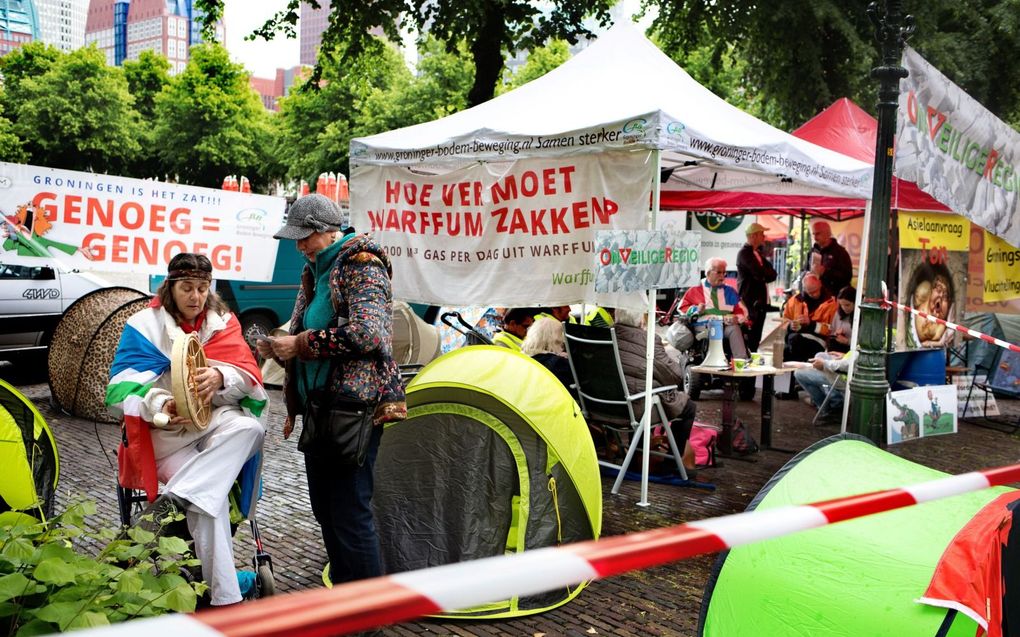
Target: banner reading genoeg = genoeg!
632	260
117	224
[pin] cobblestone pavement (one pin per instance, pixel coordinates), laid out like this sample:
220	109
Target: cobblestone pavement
658	601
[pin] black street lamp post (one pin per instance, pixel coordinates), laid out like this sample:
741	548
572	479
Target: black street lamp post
869	386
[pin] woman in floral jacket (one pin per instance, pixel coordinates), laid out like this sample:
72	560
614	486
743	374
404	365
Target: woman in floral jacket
347	277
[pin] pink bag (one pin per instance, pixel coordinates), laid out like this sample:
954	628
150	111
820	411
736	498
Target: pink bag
703	438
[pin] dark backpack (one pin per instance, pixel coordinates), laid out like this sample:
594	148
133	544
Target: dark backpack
742	440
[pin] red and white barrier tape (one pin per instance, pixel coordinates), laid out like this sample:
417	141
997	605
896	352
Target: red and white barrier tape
396	598
953	326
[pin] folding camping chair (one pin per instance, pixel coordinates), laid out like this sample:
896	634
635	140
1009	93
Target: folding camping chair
1000	378
602	392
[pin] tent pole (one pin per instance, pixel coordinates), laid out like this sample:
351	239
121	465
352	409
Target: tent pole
646	418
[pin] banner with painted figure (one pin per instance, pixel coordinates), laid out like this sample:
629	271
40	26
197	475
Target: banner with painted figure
117	224
956	150
934	251
632	260
501	234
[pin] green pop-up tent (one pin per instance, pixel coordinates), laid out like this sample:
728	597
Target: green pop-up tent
870	576
494	458
28	455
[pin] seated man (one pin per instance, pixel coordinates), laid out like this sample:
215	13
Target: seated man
816	380
516	321
808	317
714	298
599	317
560	312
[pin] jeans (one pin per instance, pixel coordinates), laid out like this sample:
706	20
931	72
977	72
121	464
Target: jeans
816	383
341	500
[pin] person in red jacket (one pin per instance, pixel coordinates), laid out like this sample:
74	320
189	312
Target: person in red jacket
714	298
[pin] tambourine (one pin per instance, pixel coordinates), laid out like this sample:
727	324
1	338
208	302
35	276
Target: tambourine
185	361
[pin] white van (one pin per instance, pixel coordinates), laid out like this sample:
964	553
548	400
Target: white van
34	292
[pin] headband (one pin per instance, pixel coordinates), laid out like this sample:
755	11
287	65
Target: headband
178	275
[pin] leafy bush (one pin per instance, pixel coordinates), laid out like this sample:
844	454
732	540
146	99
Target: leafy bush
48	583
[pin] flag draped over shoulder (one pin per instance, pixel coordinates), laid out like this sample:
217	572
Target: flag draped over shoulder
143	355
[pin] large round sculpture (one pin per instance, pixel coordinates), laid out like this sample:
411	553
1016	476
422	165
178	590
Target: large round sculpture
919	570
83	347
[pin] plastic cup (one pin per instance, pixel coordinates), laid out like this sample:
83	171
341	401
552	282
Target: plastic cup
757	360
739	364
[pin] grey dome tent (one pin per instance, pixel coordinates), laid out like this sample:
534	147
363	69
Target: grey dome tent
494	458
83	347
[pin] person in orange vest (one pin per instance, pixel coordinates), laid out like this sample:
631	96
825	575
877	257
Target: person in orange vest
808	317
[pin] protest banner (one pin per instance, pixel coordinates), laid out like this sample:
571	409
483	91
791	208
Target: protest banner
632	260
508	234
117	224
956	150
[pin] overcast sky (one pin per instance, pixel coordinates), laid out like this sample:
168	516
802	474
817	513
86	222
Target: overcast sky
262	58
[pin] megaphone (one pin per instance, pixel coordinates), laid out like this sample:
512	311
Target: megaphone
716	356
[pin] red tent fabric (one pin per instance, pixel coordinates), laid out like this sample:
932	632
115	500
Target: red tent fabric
847	128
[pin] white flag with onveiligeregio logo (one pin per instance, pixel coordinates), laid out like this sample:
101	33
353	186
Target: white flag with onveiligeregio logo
956	150
514	233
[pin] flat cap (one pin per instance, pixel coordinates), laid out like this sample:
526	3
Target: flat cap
312	213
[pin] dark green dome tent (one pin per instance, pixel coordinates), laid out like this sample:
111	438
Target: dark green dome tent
28	456
862	577
494	458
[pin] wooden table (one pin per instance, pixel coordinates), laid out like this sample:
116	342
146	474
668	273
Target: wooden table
730	395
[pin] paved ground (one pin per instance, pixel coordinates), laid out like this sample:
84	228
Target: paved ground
658	601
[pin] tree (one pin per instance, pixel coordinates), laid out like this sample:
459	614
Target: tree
540	61
147	77
78	115
28	61
439	89
316	126
492	27
211	123
803	56
11	148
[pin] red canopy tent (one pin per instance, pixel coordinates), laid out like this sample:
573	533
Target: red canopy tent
843	127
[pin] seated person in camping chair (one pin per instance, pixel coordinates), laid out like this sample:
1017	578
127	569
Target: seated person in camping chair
632	340
714	298
198	466
821	380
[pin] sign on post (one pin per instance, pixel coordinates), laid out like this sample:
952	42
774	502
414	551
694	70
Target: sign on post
632	260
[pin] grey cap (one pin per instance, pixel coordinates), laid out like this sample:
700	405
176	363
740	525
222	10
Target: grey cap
312	213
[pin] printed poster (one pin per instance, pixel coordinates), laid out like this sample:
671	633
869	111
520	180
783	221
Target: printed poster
518	233
632	260
934	252
116	224
919	412
956	150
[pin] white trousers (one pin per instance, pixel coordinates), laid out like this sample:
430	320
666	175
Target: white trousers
203	473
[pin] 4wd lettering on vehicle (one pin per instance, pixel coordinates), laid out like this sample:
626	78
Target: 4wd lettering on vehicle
41	293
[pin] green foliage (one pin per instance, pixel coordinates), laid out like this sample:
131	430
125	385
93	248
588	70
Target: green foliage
491	26
47	585
11	148
211	123
439	89
147	77
540	61
800	57
316	126
78	114
31	60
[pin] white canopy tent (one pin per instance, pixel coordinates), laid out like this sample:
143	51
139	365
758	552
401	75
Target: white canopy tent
620	98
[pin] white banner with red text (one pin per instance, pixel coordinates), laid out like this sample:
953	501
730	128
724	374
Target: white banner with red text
117	224
501	234
956	150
